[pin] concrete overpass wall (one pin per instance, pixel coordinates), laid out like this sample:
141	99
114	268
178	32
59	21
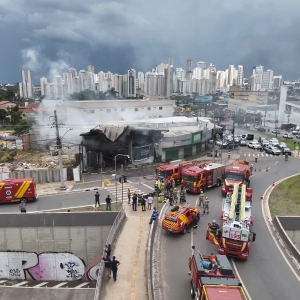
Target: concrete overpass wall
47	246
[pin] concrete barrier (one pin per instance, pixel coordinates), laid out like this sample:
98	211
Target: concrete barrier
288	223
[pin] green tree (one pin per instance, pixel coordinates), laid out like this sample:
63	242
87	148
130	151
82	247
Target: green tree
14	113
23	126
3	114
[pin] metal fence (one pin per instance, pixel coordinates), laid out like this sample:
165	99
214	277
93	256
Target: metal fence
110	240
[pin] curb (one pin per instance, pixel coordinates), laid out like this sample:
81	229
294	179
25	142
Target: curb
73	191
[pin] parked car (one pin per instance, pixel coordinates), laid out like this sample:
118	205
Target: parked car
231	145
286	150
254	145
294	132
275	151
247	125
282	145
288	136
243	143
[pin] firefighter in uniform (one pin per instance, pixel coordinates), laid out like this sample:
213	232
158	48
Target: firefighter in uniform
251	169
206	205
173	183
182	196
162	186
214	227
175	196
201	199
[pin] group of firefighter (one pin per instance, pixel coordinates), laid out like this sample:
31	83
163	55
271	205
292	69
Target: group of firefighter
167	190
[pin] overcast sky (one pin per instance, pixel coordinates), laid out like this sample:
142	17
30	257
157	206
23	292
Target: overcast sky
48	36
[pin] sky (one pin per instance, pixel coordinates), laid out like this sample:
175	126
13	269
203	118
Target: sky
49	36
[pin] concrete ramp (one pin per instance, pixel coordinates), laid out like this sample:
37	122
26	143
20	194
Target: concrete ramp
9	293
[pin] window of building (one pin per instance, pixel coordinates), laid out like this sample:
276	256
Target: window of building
148	108
122	109
108	110
160	108
91	111
136	109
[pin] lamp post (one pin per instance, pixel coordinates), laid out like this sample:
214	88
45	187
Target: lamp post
116	176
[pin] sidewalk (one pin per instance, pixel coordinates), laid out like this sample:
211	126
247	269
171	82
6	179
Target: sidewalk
130	250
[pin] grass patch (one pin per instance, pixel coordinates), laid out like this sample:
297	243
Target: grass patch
284	199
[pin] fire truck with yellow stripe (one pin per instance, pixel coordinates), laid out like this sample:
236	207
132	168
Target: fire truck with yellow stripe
202	177
234	237
16	190
180	218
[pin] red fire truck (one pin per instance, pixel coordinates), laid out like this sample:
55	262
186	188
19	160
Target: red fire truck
15	190
235	237
238	172
174	170
213	278
203	177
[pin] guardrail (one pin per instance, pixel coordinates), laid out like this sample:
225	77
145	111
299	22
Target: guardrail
110	240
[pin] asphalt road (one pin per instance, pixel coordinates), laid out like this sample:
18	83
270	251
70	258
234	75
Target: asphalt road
266	275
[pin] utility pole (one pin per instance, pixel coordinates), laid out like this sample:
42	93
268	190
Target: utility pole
214	140
101	163
58	144
265	118
275	124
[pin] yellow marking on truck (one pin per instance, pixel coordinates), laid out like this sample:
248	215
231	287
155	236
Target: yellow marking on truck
19	190
183	218
23	189
1	185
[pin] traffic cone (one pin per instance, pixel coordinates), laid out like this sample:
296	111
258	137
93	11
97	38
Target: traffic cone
259	170
273	184
255	170
267	169
261	197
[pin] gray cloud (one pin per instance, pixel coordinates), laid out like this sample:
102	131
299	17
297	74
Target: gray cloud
118	35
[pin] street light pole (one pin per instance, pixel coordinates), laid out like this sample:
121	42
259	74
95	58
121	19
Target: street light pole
116	177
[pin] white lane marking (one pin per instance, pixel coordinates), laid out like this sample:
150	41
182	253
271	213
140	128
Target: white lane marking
240	279
276	163
266	202
59	285
41	284
20	283
81	285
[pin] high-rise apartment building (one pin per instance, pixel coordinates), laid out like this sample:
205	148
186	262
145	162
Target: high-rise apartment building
277	82
256	78
168	78
43	82
141	78
189	69
57	87
201	64
90	68
230	75
87	80
25	86
131	83
267	80
160	69
240	75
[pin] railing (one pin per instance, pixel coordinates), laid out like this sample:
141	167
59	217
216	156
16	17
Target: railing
110	240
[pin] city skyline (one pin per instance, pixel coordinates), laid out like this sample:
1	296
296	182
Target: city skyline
117	36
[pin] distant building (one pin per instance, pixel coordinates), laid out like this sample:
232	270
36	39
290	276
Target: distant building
277	82
189	70
240	75
267	80
4	104
201	65
25	86
257	78
43	82
58	87
91	69
131	83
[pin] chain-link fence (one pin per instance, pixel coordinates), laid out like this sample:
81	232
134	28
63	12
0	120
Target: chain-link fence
110	240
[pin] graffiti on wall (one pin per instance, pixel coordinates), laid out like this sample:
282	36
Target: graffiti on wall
62	266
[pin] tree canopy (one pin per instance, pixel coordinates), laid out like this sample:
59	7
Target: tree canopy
23	126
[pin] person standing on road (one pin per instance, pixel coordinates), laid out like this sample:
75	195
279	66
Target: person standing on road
22	207
114	267
175	195
134	201
107	250
107	265
97	199
150	201
154	215
129	196
108	203
143	203
206	205
229	152
201	199
251	169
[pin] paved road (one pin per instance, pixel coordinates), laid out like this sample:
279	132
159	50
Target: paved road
266	274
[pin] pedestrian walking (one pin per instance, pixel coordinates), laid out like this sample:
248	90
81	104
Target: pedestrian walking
108	203
97	199
150	201
22	207
201	199
229	152
206	205
114	267
107	266
129	196
134	201
107	250
143	203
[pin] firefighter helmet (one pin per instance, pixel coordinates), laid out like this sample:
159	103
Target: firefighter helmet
201	192
174	189
206	198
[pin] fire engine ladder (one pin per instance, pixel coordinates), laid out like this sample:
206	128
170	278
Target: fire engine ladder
238	205
233	201
180	211
243	203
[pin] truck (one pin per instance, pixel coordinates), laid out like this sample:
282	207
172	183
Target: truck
202	177
16	190
180	218
212	278
238	172
234	237
173	170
